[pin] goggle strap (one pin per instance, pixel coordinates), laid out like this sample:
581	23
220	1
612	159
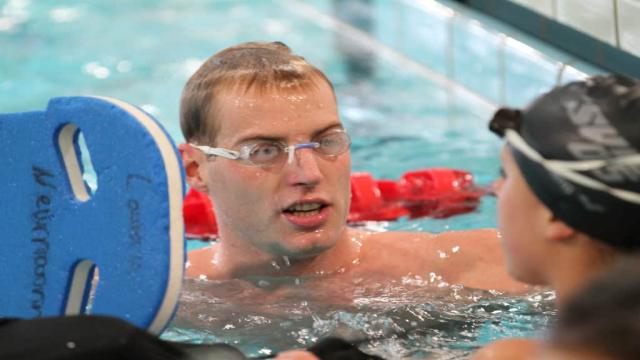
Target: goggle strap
567	169
229	154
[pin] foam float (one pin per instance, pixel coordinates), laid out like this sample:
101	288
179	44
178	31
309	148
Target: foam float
56	231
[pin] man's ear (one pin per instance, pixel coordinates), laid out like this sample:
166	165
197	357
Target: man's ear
193	161
558	231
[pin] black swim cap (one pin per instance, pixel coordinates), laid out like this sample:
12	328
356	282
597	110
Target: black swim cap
578	149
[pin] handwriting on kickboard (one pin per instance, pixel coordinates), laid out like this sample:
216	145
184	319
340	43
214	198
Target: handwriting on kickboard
40	219
135	225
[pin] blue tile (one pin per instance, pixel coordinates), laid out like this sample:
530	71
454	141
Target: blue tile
527	73
388	16
475	58
425	37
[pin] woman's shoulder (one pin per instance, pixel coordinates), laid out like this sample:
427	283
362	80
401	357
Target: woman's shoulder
508	349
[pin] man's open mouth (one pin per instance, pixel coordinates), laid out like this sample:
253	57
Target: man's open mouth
305	209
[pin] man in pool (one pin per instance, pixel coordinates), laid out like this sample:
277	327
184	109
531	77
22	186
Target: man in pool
265	142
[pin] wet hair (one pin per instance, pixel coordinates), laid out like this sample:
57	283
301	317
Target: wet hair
253	66
595	119
603	318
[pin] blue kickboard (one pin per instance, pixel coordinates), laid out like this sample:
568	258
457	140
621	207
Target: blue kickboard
53	229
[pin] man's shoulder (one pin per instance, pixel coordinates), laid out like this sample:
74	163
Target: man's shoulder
200	262
473	258
393	237
386	238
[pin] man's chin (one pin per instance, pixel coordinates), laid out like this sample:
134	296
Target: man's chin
302	253
300	249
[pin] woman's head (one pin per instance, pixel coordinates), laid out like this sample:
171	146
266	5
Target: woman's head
578	148
573	166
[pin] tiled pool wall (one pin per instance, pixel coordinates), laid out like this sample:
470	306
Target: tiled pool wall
612	21
493	60
602	32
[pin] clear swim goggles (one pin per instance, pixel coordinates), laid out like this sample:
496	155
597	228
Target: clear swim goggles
569	169
270	153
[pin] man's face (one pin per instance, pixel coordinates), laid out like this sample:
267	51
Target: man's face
275	209
521	222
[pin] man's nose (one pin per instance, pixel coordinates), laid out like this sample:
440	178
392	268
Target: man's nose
304	169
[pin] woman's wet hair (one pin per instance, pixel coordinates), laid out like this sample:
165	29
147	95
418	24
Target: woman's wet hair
603	318
258	67
595	119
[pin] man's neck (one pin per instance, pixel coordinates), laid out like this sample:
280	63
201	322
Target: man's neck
236	259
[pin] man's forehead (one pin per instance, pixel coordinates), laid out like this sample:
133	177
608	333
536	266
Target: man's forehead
276	99
275	113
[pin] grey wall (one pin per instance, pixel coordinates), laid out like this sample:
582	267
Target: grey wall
616	22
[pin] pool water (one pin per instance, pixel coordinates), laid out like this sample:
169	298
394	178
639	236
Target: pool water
413	318
401	115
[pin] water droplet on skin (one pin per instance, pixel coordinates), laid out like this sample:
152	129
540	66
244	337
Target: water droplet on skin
286	260
455	249
275	265
187	265
442	254
358	241
202	277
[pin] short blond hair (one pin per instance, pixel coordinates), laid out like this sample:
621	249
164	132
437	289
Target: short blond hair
252	66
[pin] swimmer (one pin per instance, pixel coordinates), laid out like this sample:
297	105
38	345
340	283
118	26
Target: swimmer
265	142
569	201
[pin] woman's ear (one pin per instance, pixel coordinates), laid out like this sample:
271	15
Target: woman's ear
558	231
193	162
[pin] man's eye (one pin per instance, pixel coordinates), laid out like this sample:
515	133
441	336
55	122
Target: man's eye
264	152
328	141
333	143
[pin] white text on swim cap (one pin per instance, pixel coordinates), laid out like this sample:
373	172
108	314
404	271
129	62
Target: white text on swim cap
602	141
